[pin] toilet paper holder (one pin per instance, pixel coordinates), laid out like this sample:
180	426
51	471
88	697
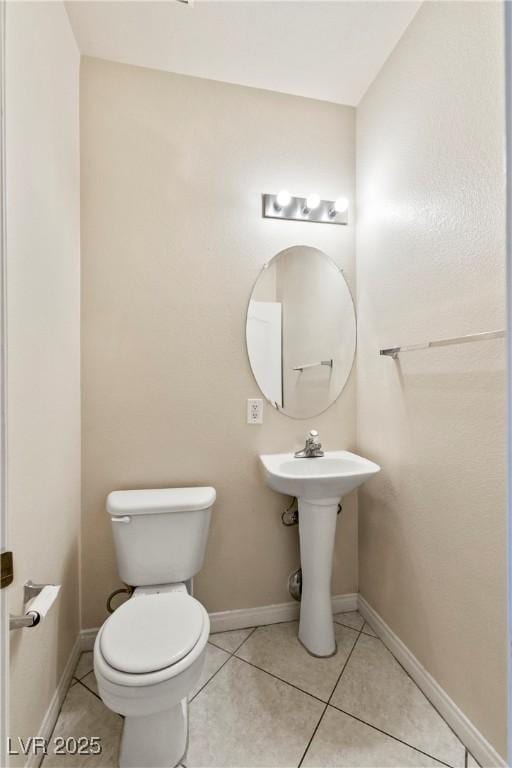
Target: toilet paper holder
31	618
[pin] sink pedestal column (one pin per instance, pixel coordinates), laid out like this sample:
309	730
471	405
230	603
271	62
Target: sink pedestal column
317	527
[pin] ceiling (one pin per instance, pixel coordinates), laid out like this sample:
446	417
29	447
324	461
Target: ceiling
323	50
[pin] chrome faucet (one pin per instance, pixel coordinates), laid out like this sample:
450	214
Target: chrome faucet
313	447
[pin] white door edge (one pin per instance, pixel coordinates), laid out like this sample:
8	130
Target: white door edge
508	94
4	617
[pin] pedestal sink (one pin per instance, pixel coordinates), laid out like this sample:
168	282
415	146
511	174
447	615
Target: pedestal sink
319	484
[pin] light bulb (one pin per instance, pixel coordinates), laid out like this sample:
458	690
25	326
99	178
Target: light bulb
341	205
283	199
312	202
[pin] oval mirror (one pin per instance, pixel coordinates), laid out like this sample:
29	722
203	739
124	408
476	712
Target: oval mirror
301	331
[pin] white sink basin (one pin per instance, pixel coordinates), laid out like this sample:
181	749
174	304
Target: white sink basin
330	476
318	483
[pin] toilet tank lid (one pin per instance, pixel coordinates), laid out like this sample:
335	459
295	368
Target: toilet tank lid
159	500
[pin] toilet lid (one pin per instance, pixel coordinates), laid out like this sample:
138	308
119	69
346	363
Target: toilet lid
153	632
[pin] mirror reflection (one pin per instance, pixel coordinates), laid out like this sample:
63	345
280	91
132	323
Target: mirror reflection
301	331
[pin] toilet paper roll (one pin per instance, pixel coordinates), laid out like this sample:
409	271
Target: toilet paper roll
41	604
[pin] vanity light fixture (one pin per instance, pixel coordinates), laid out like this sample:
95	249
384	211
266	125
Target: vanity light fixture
312	208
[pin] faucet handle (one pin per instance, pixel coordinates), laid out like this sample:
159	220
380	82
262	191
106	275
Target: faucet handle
313	437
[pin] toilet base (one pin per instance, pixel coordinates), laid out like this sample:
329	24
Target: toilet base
159	740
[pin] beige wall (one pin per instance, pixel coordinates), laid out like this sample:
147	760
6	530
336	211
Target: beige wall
172	241
43	252
430	166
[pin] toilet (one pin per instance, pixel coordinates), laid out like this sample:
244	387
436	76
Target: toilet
149	653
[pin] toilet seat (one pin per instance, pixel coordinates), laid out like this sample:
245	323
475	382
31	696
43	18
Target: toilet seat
152	633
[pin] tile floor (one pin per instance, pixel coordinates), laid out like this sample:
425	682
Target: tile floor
263	701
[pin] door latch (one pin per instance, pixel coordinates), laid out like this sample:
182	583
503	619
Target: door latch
6	569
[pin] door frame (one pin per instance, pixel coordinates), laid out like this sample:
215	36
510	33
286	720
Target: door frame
508	110
4	613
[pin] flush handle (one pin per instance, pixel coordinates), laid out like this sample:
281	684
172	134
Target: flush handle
124	519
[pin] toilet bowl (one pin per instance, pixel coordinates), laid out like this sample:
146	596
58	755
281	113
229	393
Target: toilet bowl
147	657
149	653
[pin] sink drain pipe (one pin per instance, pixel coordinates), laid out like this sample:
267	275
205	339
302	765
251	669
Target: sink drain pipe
295	584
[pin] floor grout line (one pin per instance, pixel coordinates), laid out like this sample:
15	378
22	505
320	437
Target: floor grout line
196	694
367	632
395	738
347	626
230	656
281	680
342	624
90	690
75	677
212	642
317	726
422	692
328	700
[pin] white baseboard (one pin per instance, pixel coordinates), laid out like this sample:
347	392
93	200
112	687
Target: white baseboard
52	713
344	603
247	617
87	638
456	719
271	614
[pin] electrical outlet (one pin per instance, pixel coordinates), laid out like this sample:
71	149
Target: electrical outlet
255	410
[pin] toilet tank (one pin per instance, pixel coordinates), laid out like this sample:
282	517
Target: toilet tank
160	534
